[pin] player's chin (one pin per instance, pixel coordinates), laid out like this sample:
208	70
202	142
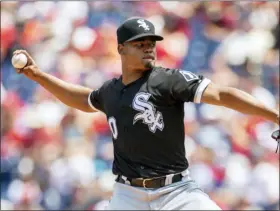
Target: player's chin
149	63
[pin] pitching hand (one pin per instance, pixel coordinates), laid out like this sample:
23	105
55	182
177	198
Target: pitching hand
31	70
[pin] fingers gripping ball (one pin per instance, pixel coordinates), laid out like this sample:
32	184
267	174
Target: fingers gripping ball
19	60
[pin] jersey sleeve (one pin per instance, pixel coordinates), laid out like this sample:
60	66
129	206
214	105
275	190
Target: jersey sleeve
187	86
95	99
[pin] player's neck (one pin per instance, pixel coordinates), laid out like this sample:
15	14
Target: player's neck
129	76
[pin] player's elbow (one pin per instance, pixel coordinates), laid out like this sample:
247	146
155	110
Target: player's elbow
226	96
214	94
218	95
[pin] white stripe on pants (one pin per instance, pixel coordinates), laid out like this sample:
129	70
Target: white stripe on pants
183	195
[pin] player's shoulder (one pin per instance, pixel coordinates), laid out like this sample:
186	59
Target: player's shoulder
108	85
167	72
110	82
164	73
161	77
168	77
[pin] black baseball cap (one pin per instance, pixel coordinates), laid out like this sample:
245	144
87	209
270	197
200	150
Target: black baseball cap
136	28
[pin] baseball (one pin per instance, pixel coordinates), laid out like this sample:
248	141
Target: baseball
19	60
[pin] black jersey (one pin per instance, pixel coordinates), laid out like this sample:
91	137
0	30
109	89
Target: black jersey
146	118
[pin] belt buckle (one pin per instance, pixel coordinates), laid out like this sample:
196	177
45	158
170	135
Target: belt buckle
144	182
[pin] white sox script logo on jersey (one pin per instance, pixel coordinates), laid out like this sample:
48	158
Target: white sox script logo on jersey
143	24
148	113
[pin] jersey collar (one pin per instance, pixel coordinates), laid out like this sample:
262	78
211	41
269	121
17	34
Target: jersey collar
145	74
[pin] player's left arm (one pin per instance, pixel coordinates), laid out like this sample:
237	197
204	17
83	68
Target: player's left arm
238	100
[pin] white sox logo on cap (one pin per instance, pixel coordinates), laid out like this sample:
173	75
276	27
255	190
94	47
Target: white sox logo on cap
136	28
143	24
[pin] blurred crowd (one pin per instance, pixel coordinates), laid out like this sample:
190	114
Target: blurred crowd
54	157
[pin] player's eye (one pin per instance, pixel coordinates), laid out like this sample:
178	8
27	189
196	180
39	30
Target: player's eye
139	45
153	44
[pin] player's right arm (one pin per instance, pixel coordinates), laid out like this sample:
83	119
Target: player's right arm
71	95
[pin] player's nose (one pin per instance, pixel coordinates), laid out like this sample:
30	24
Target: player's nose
148	49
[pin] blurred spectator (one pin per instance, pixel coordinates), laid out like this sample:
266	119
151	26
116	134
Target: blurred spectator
54	157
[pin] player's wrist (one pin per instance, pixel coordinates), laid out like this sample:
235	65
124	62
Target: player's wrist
39	75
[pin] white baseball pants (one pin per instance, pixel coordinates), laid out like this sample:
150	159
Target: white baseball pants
183	195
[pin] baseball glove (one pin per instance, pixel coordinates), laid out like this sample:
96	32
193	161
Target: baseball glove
276	135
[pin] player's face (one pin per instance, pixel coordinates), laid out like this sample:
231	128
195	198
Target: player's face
140	53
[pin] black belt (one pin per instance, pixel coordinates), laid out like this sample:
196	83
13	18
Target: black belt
149	182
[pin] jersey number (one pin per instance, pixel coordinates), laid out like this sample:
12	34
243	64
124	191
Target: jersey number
113	127
189	76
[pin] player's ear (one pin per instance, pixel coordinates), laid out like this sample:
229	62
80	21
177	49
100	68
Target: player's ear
121	49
